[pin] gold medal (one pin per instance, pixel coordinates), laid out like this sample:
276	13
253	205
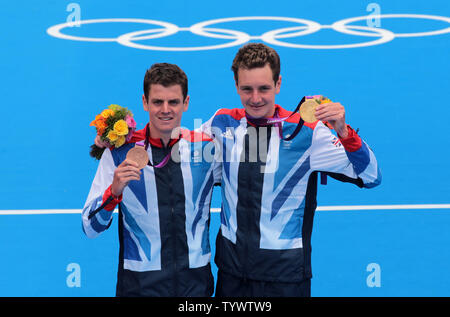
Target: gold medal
307	110
139	155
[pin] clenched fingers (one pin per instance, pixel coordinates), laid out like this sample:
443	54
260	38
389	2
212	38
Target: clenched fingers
126	172
128	169
330	111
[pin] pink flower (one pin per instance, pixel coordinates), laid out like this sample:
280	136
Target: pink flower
131	125
130	122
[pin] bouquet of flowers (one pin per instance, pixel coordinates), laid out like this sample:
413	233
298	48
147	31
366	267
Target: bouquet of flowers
115	126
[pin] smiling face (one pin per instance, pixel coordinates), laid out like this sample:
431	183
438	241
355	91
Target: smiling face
165	106
257	91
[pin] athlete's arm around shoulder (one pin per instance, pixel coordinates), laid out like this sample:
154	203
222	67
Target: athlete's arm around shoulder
222	120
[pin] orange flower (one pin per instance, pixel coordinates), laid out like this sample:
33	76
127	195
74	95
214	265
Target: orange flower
100	124
107	113
94	122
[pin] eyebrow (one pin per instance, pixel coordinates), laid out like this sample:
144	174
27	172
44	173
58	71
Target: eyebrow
170	100
259	87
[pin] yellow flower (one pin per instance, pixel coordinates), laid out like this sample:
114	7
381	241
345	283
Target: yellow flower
120	141
107	113
121	127
112	136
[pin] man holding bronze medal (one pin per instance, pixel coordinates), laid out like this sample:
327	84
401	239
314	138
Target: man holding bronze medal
271	158
163	203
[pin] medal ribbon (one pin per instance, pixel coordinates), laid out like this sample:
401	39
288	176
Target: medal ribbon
146	144
276	121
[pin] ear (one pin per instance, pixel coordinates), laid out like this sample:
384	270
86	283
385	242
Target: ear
186	103
278	85
236	84
144	103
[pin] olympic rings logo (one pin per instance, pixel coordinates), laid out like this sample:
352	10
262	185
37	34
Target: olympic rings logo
235	38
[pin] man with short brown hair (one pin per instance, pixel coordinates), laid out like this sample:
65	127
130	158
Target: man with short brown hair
163	208
256	55
264	244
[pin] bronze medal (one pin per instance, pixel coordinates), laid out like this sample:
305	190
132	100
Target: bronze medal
139	155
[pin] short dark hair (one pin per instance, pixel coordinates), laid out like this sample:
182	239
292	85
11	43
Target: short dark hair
254	55
167	75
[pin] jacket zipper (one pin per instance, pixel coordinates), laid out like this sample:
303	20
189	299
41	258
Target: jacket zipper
173	226
248	209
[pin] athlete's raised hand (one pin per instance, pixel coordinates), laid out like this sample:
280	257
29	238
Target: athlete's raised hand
124	173
334	114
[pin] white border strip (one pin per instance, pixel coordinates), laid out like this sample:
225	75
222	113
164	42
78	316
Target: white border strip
385	207
40	212
216	210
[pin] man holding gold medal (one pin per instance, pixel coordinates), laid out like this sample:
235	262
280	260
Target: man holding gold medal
271	158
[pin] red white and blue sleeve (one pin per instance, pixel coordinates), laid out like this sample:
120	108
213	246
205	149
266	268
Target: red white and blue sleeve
349	156
98	210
